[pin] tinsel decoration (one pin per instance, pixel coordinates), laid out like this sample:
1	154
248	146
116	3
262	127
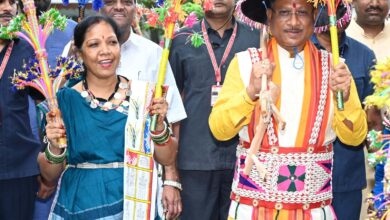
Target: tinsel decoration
36	73
186	15
379	199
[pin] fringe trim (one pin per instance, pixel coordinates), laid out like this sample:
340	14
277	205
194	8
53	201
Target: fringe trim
242	17
340	23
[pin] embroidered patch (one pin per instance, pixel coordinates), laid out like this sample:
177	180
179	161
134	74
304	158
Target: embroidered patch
291	178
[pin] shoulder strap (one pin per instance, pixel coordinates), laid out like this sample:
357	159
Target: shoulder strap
6	58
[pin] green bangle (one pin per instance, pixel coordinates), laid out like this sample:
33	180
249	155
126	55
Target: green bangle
53	158
163	139
161	134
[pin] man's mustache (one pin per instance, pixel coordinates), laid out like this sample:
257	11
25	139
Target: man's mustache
374	8
6	15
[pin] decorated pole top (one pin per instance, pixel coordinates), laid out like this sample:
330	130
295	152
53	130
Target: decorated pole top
36	73
30	10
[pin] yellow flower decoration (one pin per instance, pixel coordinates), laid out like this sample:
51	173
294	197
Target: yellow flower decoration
380	77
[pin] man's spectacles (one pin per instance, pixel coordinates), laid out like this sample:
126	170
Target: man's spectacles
114	2
286	14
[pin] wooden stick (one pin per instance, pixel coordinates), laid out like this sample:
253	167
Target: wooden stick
255	145
279	118
263	100
260	167
261	126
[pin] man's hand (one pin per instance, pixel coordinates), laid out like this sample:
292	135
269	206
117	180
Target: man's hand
171	202
45	189
341	79
264	67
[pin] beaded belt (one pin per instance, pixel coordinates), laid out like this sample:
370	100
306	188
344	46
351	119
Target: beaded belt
87	165
278	205
295	178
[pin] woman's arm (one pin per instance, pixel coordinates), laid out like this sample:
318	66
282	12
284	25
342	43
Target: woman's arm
52	169
166	154
165	144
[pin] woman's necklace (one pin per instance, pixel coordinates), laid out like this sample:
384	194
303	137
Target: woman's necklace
107	104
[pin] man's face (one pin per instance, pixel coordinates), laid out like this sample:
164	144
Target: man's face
122	11
291	22
8	10
221	8
371	12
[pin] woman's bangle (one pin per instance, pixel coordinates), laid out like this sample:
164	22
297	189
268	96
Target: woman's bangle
163	140
163	137
173	183
162	144
161	133
54	158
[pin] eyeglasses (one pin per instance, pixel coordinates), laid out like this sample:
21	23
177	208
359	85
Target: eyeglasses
286	14
115	2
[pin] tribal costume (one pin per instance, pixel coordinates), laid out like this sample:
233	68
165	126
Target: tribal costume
298	160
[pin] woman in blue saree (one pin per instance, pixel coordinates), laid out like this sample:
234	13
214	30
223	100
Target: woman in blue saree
94	113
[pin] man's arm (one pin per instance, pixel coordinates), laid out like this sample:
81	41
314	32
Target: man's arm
350	125
171	195
233	108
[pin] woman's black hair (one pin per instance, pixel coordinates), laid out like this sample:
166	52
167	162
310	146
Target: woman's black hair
82	27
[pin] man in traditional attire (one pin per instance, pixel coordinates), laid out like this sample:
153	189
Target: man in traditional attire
288	174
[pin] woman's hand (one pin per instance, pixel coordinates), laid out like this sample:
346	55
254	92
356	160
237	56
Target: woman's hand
160	107
55	129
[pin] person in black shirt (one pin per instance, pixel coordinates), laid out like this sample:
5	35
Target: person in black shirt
206	165
18	147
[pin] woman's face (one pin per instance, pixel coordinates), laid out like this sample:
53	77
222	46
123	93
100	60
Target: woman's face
100	50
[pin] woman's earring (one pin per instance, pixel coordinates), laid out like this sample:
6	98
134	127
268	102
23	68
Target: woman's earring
81	63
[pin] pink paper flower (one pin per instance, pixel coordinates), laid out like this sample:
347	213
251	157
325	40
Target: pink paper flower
190	20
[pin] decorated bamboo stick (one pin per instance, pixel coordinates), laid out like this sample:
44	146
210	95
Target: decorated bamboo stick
37	73
335	46
168	35
41	54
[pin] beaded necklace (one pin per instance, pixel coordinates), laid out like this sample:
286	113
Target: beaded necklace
107	104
